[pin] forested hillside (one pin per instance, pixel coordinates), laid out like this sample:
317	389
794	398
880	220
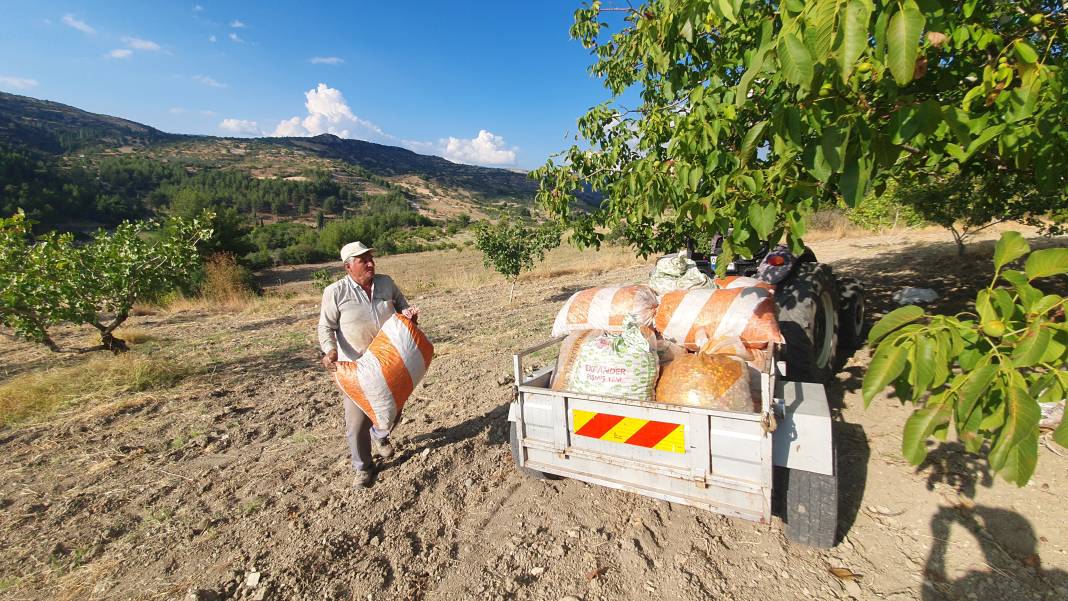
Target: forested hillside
276	200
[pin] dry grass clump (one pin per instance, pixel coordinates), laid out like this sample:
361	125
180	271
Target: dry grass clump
829	224
226	283
133	335
40	393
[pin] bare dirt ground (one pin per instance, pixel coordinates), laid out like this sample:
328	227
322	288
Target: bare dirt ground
234	483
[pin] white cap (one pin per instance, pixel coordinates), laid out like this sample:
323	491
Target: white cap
353	249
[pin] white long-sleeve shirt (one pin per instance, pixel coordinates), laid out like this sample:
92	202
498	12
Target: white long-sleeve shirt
349	320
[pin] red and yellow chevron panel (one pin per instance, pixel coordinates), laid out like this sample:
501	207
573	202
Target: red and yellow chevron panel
662	436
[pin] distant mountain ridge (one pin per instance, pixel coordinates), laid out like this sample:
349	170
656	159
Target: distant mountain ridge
55	128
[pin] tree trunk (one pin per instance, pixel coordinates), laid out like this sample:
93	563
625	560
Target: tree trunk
958	238
510	291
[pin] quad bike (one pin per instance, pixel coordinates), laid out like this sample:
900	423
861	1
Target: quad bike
821	316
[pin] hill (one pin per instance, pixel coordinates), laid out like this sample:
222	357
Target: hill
434	185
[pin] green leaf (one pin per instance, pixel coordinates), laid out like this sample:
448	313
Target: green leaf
1022	415
726	8
686	31
854	35
1031	348
1011	246
749	142
978	381
762	218
1026	53
854	181
903	39
694	177
918	427
1060	435
894	320
833	145
923	367
795	60
756	65
883	369
1046	262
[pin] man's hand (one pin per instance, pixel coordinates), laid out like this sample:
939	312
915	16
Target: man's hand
329	361
411	313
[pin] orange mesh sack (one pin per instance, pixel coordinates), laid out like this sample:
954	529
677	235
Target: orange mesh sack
741	281
605	309
689	317
707	381
383	378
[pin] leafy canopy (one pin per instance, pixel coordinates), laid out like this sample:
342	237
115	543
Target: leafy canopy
53	280
753	114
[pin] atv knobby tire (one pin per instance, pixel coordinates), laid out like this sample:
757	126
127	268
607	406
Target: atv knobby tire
851	315
808	318
513	438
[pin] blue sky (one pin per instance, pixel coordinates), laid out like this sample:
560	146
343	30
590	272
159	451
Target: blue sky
493	83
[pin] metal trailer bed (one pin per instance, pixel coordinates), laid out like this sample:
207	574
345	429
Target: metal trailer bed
719	461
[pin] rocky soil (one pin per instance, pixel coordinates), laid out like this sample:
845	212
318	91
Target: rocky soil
235	484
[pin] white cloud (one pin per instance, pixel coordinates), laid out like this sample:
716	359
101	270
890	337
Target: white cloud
120	53
326	60
237	24
204	79
208	113
327	113
240	127
19	83
233	36
140	44
211	38
197	8
177	110
78	24
484	149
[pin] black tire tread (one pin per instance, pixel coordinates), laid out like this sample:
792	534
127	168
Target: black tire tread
796	297
812	509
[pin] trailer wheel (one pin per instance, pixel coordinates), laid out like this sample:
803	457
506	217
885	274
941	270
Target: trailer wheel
811	508
808	318
513	438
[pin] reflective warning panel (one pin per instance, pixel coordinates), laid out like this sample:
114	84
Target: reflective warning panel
662	436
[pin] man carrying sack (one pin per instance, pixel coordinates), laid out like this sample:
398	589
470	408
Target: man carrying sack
353	311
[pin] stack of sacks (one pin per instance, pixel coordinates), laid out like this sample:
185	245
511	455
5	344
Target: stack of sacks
609	364
712	378
384	376
689	317
677	273
605	309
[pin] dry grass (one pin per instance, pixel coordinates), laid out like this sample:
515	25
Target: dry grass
832	224
460	269
133	335
41	393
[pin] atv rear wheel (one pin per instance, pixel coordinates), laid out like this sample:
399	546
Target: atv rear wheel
808	318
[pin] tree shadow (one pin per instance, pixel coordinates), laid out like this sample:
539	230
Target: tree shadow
933	265
852	452
493	423
1009	548
949	463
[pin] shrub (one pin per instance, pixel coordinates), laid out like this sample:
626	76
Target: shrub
225	281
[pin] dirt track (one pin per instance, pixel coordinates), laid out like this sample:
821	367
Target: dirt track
235	483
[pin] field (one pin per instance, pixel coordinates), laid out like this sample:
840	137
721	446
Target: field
209	463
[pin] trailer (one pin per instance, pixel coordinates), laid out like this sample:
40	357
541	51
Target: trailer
728	462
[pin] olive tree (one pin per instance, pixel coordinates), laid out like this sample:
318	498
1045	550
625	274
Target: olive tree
752	114
55	280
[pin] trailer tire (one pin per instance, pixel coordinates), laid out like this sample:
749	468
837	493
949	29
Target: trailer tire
811	508
513	439
808	319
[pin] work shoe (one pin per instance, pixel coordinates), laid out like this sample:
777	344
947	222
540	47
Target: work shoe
385	450
362	479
